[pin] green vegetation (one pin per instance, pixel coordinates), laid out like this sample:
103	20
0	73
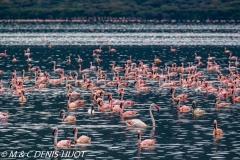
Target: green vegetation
146	9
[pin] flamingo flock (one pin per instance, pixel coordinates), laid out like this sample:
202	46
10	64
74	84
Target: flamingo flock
140	73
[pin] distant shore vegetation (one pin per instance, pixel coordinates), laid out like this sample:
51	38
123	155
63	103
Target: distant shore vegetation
134	9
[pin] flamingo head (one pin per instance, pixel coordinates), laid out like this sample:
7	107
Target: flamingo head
74	130
216	100
139	134
193	104
54	130
62	111
155	106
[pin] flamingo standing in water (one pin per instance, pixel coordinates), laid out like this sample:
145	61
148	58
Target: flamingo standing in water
82	139
146	142
217	131
137	123
62	143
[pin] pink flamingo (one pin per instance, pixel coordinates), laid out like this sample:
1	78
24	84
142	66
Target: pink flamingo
111	49
58	69
83	139
137	123
184	108
4	115
172	49
216	131
71	104
232	57
3	54
127	113
62	143
180	96
224	104
98	50
146	142
115	68
83	71
68	118
197	57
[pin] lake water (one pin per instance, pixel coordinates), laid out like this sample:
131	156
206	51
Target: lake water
178	136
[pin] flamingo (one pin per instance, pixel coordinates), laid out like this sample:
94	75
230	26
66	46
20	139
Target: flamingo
71	104
226	50
146	142
137	123
111	49
127	113
130	59
14	59
172	49
209	57
232	57
156	60
98	50
3	54
184	108
82	139
26	54
22	98
62	143
115	68
68	118
216	131
58	69
92	67
224	104
83	71
197	57
4	115
180	96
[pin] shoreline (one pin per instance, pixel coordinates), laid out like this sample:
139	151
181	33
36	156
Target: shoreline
113	20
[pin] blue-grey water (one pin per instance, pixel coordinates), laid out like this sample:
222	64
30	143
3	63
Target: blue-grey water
178	136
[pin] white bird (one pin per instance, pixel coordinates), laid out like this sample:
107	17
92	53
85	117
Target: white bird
91	110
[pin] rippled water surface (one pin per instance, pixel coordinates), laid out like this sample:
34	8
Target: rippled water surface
178	136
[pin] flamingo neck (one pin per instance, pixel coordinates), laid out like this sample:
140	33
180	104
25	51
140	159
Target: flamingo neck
153	120
63	116
173	95
75	136
55	138
139	139
122	96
